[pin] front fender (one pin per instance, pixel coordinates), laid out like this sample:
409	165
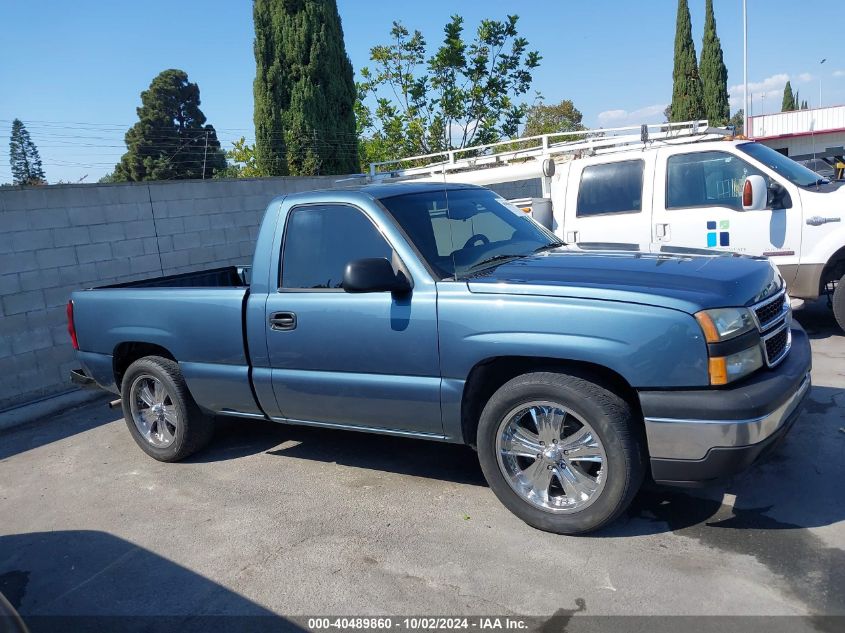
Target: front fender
650	347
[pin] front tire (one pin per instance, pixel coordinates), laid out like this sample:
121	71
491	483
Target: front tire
561	452
839	303
162	416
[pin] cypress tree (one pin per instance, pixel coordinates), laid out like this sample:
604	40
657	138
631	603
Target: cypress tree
788	103
304	90
714	73
170	141
24	158
687	103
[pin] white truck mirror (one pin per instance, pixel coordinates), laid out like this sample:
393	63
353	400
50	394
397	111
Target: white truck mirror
754	193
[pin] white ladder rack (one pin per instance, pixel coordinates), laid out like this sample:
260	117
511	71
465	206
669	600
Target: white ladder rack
544	147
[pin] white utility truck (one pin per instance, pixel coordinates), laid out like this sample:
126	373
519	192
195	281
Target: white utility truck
665	187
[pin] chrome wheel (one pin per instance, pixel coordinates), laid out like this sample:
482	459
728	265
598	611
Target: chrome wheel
550	457
153	411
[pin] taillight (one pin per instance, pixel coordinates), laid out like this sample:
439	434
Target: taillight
71	328
747	194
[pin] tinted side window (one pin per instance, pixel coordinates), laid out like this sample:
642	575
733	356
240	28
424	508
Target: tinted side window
611	188
321	239
706	179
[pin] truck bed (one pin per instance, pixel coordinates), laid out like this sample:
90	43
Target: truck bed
226	277
195	318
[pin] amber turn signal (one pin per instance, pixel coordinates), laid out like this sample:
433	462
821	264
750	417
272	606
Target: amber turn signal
711	334
747	194
718	371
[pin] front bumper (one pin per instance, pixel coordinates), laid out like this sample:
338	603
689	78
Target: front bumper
695	437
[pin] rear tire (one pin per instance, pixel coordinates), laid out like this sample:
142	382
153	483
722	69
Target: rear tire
839	303
162	416
563	453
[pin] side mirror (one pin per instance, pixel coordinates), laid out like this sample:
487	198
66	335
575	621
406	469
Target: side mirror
754	194
778	197
374	274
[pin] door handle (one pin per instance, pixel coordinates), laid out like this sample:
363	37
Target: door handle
282	321
661	232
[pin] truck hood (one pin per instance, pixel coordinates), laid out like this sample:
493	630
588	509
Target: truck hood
692	280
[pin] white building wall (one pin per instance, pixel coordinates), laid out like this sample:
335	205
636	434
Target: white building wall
798	122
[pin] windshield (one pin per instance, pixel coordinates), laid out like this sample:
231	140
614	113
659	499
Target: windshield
459	231
794	172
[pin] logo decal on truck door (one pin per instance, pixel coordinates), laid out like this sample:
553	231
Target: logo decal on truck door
720	237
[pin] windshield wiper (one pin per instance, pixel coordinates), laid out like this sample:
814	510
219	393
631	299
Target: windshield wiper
549	246
495	258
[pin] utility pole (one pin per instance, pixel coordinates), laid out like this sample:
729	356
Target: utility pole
205	155
745	129
820	81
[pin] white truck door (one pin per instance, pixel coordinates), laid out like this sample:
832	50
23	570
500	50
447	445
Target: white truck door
608	200
698	204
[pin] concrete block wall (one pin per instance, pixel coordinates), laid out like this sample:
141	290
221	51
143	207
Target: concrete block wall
60	238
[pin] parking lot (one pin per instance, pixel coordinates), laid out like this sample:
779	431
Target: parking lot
300	521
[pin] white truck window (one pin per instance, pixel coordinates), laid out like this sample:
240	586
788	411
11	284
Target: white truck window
706	179
611	188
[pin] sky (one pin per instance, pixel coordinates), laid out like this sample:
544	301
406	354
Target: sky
73	71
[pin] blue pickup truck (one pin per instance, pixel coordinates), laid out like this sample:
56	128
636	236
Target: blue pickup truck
442	312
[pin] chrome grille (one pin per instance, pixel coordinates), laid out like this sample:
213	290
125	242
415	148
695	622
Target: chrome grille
773	317
777	344
769	312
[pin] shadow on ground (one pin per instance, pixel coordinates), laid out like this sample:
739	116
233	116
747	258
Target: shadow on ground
817	319
93	581
236	438
78	419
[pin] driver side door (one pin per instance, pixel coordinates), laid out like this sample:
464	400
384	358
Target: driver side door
351	360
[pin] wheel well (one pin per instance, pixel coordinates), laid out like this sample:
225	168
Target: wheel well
834	269
487	376
127	353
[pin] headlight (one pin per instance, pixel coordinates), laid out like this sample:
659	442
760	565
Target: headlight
726	369
722	324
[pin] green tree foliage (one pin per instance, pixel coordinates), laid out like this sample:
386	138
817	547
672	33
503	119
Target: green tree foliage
24	158
462	94
548	119
171	140
687	98
241	162
304	90
714	73
737	121
800	105
788	103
